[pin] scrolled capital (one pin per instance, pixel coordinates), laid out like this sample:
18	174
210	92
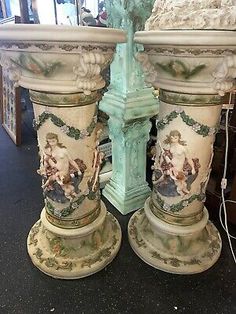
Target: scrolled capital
88	71
224	75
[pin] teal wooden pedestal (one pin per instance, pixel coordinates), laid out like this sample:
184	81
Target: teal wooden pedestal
127	190
130	105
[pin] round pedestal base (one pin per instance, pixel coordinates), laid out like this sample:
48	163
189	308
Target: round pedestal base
177	252
74	253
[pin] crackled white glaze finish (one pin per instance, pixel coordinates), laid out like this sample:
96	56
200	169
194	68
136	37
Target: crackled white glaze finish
192	14
61	66
192	70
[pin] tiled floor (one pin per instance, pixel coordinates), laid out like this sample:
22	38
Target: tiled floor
127	285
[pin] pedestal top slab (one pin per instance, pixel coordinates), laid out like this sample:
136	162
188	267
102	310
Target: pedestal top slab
61	33
186	37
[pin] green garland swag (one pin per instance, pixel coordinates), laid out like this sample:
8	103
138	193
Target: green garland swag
199	128
179	206
69	130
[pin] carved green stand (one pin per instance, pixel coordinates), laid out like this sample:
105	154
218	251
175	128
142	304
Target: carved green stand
129	105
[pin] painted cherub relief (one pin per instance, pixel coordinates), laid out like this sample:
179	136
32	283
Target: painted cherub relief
61	174
174	169
98	157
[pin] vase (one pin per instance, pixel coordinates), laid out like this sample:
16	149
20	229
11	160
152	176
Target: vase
61	65
192	70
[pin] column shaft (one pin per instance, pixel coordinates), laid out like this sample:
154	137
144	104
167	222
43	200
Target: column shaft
128	188
75	236
129	104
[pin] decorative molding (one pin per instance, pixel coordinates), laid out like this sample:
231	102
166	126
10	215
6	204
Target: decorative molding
224	75
87	48
88	71
71	223
64	100
167	51
127	132
171	218
185	99
44	47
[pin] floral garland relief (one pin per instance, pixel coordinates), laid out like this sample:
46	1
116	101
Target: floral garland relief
68	130
197	127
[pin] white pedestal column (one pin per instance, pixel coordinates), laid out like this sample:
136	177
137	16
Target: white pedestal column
173	232
61	66
192	70
75	236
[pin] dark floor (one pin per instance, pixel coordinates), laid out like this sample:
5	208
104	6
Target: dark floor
127	285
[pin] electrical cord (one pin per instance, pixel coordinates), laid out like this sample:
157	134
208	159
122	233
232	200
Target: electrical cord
221	221
224	185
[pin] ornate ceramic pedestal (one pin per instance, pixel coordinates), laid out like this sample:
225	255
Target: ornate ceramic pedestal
75	236
129	104
191	68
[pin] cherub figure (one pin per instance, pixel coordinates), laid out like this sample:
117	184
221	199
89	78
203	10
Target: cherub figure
58	166
97	161
174	162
